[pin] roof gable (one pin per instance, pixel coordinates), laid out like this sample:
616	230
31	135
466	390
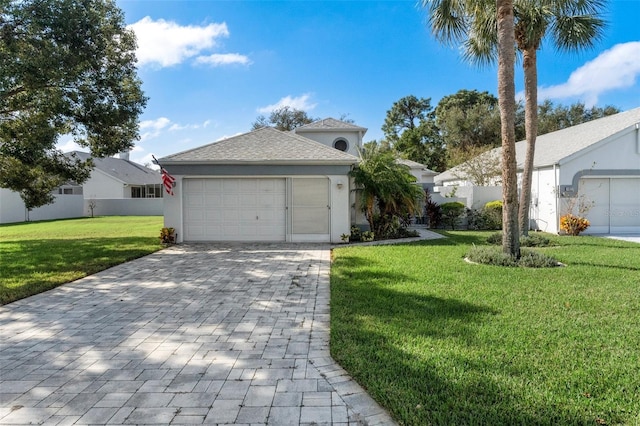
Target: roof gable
552	148
330	124
123	170
559	146
265	145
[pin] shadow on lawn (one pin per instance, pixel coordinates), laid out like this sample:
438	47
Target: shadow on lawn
45	264
419	356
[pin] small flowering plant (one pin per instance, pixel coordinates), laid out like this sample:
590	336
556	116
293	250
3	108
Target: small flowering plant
573	225
167	236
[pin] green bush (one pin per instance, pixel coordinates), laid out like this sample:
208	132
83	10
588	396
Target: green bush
495	239
535	240
368	236
494	205
452	213
532	240
494	256
356	234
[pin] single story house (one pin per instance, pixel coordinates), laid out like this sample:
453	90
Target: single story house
117	178
113	183
594	166
266	185
424	176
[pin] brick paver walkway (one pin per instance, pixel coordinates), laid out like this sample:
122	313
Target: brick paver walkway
213	334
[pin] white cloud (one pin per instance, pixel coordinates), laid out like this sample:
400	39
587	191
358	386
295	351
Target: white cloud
153	128
301	103
616	68
69	145
145	160
157	124
219	59
166	43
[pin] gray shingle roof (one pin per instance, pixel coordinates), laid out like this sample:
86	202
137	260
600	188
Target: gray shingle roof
559	146
329	124
266	145
415	165
124	170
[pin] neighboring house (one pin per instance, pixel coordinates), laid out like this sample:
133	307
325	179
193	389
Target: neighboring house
113	183
266	185
116	178
424	176
594	164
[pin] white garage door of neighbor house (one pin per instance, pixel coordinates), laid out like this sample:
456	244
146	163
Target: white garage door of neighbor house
616	204
234	209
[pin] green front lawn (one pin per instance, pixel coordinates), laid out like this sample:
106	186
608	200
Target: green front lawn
438	341
38	256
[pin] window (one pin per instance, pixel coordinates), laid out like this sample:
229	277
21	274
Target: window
341	144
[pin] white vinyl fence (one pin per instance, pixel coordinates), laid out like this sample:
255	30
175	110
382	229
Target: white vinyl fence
12	208
68	206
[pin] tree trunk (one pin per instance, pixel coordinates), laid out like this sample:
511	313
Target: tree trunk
507	104
531	128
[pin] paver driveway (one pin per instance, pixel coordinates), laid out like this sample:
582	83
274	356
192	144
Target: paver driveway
215	334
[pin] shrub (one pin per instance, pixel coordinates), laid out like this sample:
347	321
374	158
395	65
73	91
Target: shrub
167	236
368	236
432	211
494	256
356	234
494	205
495	239
452	213
573	225
493	212
532	240
484	219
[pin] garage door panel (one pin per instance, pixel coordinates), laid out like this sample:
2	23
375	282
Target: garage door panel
616	204
595	191
625	207
230	209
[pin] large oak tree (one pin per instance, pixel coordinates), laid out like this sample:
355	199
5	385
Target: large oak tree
68	68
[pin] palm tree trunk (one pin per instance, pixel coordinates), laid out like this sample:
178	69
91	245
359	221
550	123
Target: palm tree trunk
531	128
507	105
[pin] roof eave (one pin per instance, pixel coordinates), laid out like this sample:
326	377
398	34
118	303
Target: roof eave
259	162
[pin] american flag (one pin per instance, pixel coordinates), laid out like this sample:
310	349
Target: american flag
167	181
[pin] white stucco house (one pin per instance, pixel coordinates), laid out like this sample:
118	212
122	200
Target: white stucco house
595	163
266	185
116	186
424	176
118	178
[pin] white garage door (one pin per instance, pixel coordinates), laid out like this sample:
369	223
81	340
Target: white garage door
616	204
234	209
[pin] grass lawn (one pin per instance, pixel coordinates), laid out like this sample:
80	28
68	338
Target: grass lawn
438	341
38	256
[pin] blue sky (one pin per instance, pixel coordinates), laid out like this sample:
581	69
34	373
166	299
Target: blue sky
210	68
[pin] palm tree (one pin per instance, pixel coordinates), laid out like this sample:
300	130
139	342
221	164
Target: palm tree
386	189
572	25
454	21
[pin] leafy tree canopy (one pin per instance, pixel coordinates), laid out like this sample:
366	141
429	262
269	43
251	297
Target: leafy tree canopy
284	118
556	117
410	128
68	67
469	119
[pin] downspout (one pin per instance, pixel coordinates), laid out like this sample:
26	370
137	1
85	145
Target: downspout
638	138
555	185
